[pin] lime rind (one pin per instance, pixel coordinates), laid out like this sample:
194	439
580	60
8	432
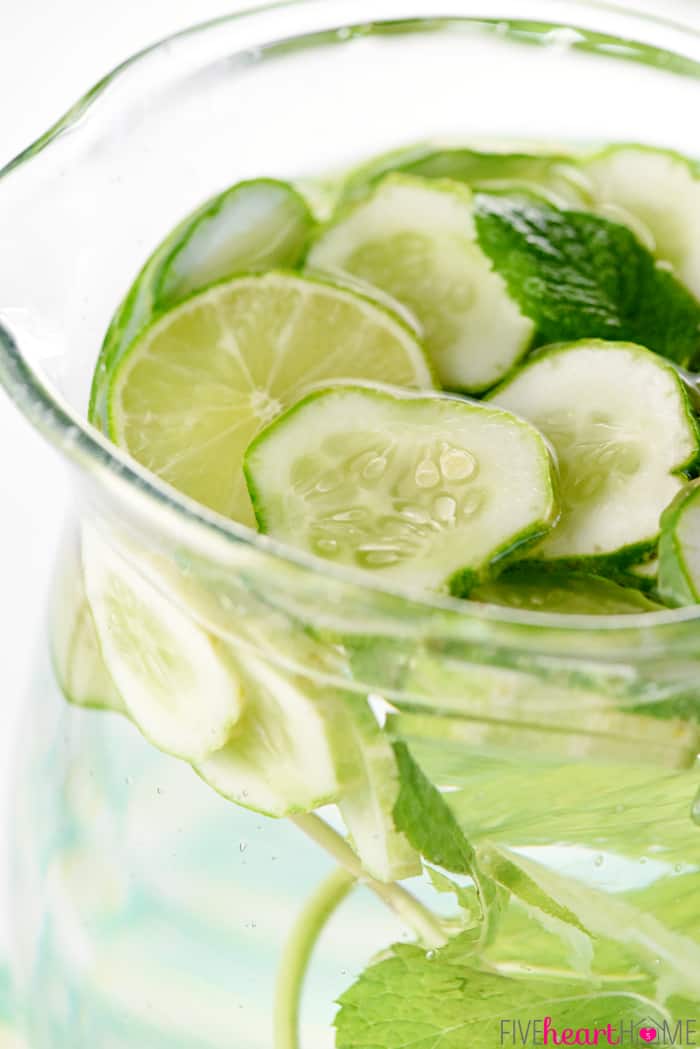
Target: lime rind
262	341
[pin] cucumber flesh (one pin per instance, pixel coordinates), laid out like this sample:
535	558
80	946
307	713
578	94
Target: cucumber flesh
415	240
75	650
657	193
679	549
621	426
286	755
176	682
421	490
254	226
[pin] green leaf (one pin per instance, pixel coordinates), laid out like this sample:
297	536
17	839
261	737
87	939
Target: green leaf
426	819
431	827
669	956
577	276
414	1000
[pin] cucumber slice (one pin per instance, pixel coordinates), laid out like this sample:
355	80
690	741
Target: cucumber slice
679	549
573	593
657	193
75	650
555	175
252	226
415	239
620	422
289	753
368	808
200	382
177	684
423	490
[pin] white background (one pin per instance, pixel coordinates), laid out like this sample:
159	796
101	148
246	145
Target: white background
49	54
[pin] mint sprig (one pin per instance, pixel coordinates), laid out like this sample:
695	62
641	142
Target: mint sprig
426	819
428	822
577	276
425	1000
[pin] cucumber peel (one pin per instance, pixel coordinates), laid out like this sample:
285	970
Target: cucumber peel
679	549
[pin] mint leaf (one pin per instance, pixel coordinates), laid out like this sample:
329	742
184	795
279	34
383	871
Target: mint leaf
414	1000
670	957
426	819
431	827
580	276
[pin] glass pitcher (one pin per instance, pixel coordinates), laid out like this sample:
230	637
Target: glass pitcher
149	910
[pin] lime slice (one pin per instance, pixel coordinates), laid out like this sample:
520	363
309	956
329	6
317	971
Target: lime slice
198	385
177	683
250	227
425	490
415	239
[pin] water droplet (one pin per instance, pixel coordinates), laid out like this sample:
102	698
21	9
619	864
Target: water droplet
159	790
445	508
599	860
242	846
344	33
457	464
427	474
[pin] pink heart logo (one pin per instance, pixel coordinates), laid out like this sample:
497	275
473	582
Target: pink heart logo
648	1033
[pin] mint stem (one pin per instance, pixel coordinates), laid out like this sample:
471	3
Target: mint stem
406	907
298	950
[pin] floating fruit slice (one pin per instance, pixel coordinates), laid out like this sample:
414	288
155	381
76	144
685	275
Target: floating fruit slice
196	387
176	683
415	239
425	490
252	226
620	422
